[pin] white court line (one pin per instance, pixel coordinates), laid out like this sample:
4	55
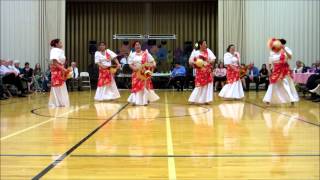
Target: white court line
39	124
171	163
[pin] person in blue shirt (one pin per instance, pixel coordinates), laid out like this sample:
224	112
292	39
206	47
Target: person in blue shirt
177	77
252	76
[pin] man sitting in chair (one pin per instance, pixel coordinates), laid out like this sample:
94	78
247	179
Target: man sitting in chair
177	77
74	80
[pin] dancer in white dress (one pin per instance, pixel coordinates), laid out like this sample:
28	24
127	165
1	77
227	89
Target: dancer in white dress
202	60
107	88
142	64
59	94
233	89
281	88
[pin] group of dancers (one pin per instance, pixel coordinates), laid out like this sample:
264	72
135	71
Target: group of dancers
280	90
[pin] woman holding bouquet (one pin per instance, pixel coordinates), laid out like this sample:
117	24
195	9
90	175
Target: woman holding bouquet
202	59
142	65
281	88
233	89
59	94
108	64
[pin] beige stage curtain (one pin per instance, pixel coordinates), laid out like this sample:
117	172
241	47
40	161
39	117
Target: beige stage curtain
98	21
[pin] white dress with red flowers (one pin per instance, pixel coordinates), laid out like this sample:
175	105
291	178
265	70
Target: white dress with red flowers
142	90
281	88
59	94
107	88
233	89
203	91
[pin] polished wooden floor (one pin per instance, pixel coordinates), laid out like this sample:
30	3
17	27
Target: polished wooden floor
169	139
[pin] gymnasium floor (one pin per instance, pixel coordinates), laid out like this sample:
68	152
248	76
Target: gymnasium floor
168	139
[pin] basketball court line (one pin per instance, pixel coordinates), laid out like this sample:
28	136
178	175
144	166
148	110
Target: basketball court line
165	155
268	109
39	124
74	147
171	163
206	110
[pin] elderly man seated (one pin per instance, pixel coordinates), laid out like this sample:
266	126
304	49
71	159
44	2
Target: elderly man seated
11	77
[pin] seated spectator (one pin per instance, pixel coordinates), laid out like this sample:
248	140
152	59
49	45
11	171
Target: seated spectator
315	68
178	74
46	79
17	67
37	74
28	75
2	95
10	65
312	82
264	76
252	76
220	76
11	77
300	67
74	78
243	72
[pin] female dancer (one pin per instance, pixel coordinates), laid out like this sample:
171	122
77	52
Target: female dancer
202	60
233	89
281	88
59	94
107	88
141	63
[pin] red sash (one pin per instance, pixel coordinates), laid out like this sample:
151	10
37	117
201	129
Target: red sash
280	70
139	84
105	75
204	75
233	74
57	76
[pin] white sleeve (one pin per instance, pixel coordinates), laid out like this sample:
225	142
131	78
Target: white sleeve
192	56
273	57
54	54
227	58
288	50
96	57
130	57
211	56
112	54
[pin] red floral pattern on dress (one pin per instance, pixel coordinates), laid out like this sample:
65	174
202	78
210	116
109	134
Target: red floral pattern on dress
105	75
57	76
139	84
280	70
204	75
233	74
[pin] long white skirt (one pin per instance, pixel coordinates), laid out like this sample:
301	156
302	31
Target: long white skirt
59	96
202	94
107	92
143	97
283	91
234	90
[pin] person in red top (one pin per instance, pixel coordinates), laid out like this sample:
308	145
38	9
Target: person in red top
233	89
281	88
59	94
202	59
107	62
142	64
